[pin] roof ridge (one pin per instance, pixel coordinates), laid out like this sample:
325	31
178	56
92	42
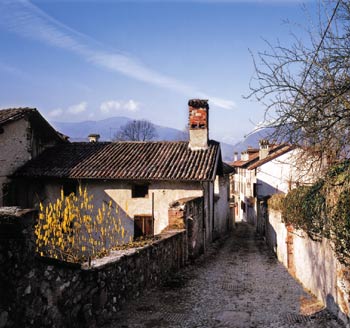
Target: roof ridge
124	161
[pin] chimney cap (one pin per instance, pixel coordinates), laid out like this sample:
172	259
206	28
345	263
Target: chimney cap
198	103
264	142
93	137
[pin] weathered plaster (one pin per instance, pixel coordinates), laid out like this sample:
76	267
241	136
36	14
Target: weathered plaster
315	265
14	150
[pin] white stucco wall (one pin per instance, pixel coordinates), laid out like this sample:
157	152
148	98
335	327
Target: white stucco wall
222	209
14	150
315	264
198	139
120	194
244	181
285	173
275	176
276	236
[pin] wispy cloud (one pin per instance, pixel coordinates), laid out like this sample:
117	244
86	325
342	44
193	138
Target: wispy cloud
27	20
113	106
78	108
11	70
55	113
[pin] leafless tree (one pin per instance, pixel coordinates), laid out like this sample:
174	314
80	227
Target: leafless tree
137	130
305	87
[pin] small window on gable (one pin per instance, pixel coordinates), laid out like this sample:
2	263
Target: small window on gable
69	187
139	191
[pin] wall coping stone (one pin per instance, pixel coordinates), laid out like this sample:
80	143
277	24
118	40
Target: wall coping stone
117	255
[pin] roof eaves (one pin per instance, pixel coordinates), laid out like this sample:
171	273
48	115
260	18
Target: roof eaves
281	151
218	157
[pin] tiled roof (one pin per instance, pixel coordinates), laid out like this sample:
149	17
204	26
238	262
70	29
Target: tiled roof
13	114
241	163
253	155
125	161
278	152
274	152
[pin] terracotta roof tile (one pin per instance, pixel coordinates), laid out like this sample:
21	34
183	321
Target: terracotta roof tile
125	161
278	152
254	156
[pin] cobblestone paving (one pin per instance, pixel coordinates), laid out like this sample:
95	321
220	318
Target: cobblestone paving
239	284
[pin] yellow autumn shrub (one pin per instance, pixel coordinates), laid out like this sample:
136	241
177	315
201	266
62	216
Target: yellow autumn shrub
72	230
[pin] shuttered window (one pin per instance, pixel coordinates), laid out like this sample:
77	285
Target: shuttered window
143	226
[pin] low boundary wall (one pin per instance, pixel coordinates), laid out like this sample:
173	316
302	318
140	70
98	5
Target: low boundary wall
38	292
313	263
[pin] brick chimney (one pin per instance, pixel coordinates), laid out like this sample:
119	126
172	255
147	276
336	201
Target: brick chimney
198	124
93	137
264	148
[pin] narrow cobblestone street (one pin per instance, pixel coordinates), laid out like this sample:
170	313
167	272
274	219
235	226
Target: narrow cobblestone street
238	284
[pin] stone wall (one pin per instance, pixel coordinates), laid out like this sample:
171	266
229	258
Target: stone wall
189	213
14	152
313	263
38	292
194	212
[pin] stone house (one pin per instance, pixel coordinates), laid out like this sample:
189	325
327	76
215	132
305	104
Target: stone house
24	134
140	178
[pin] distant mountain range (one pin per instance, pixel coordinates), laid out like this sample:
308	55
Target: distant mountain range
79	131
252	140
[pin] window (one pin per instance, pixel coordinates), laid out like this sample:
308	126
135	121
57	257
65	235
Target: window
143	226
255	190
243	206
139	191
69	187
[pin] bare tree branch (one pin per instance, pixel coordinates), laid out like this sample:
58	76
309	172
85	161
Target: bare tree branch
305	87
137	130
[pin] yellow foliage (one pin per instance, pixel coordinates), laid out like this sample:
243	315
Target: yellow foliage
70	230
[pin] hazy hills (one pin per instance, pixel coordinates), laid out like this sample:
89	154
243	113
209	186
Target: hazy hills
252	140
78	131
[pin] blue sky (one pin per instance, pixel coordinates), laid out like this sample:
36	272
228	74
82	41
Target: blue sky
88	60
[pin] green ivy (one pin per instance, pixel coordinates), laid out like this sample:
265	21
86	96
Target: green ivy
304	208
340	226
323	209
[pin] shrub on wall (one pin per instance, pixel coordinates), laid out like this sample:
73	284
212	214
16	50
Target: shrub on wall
340	226
304	208
275	202
71	230
323	209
